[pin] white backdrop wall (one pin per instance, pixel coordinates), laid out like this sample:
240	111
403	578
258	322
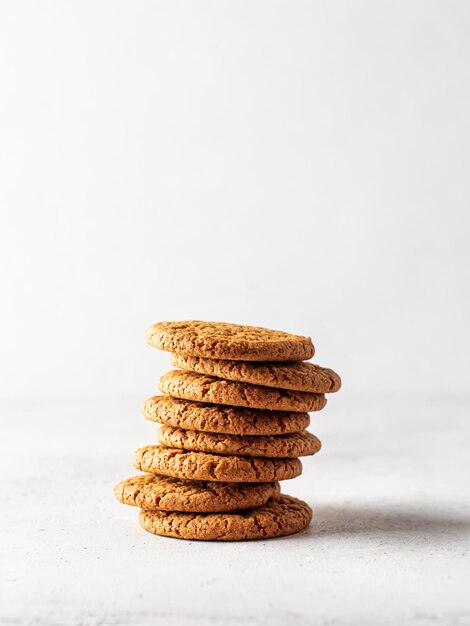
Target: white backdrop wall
298	165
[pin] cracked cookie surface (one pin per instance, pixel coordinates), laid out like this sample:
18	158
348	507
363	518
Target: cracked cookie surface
280	446
164	493
217	418
203	466
281	516
296	375
219	340
192	386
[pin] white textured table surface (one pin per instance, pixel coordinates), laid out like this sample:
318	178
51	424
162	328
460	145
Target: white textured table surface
388	545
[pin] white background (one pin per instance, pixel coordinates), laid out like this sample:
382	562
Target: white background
295	165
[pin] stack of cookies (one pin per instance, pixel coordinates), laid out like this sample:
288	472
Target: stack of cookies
234	418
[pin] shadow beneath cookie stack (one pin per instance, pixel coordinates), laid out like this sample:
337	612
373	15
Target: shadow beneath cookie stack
392	521
233	424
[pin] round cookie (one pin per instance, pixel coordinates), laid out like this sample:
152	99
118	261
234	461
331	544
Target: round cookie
191	386
219	340
202	466
281	516
164	493
218	418
297	375
292	445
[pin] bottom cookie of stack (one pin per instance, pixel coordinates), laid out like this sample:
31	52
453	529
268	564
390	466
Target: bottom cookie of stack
280	516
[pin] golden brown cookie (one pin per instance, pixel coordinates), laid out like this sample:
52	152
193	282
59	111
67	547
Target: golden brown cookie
218	418
281	516
191	386
218	340
164	493
297	375
279	446
203	466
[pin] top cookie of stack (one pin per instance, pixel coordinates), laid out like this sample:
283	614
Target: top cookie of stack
219	340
